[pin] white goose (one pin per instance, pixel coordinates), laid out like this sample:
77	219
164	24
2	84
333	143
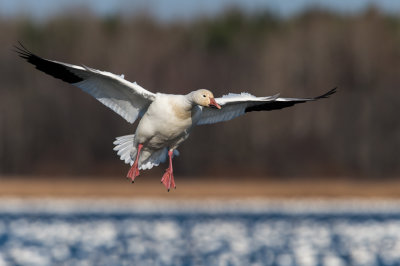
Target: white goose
166	119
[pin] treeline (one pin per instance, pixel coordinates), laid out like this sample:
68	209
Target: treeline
48	127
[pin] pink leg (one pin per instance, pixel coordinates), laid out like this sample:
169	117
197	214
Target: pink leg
134	171
168	177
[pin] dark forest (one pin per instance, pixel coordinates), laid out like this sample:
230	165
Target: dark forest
48	127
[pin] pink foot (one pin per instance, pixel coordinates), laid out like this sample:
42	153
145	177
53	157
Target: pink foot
134	171
168	177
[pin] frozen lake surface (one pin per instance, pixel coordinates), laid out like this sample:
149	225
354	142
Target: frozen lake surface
164	232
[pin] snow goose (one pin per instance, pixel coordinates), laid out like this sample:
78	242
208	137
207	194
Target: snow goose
166	119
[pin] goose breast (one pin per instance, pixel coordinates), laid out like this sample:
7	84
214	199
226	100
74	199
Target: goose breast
167	120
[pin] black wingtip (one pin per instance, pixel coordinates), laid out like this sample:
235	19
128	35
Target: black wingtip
21	50
52	68
326	95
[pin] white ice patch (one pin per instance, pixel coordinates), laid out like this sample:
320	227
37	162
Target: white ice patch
168	232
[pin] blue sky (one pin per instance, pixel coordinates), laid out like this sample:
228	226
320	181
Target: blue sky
167	10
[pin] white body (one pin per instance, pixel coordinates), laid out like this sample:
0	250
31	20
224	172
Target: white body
165	125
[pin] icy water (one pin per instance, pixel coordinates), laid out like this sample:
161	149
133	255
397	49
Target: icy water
157	232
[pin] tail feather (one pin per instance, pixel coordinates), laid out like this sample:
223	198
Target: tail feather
150	159
122	139
127	153
125	137
124	150
121	146
124	147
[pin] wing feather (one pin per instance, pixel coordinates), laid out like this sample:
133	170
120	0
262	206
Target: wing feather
234	105
127	99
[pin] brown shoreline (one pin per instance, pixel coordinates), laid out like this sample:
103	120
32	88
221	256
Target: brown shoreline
194	188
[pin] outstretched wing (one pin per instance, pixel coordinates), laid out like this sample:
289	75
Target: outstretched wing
127	99
234	105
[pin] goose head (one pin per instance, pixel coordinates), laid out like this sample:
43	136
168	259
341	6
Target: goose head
204	98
